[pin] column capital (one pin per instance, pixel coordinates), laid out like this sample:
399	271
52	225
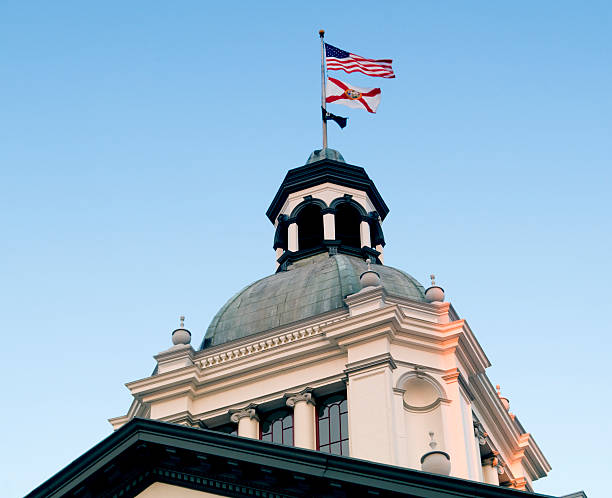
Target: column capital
246	412
305	395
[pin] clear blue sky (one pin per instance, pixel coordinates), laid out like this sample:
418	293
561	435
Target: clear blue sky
141	143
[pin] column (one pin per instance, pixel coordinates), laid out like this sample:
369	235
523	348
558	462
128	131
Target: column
304	429
292	235
329	225
489	471
379	248
248	422
364	231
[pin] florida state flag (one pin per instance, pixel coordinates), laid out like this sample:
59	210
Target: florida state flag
339	92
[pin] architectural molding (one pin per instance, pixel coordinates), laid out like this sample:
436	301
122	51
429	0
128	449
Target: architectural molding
254	347
308	201
451	376
378	361
305	395
326	171
249	411
147	451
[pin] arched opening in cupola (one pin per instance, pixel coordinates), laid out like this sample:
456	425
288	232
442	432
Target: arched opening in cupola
310	227
348	221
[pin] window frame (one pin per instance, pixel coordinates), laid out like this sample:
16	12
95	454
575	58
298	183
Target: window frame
333	399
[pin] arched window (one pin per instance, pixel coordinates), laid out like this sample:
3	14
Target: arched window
310	227
348	221
332	428
277	427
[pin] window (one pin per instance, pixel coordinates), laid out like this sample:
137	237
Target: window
332	420
348	221
310	227
277	427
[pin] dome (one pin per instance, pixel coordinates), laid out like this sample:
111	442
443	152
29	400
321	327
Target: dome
320	154
309	288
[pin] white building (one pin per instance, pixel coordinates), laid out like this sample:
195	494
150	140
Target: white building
330	354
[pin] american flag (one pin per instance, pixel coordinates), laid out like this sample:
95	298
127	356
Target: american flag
338	59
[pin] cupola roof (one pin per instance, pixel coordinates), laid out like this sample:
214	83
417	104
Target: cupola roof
326	166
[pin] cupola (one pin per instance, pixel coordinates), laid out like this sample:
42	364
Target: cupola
330	206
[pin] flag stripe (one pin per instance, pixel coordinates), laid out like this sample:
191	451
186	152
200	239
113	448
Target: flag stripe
362	62
340	60
353	65
357	67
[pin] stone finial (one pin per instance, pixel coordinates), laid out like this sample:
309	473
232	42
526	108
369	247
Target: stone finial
369	278
181	335
434	293
505	402
435	461
432	443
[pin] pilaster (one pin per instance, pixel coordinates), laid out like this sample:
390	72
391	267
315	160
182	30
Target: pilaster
453	424
370	405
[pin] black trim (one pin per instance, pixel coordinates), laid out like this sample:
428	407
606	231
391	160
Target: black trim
185	330
434	453
348	199
146	451
308	200
376	233
326	170
280	234
329	246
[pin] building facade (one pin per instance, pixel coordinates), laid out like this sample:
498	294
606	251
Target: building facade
338	354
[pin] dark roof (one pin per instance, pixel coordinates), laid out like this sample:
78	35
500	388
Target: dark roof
146	451
309	288
326	170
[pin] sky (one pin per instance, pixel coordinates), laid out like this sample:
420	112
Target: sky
142	142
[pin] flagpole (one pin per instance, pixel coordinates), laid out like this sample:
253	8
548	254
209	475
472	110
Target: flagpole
323	103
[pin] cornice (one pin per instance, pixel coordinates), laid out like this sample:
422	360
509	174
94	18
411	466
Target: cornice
326	171
145	447
382	360
175	352
505	432
494	417
275	395
264	344
365	295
